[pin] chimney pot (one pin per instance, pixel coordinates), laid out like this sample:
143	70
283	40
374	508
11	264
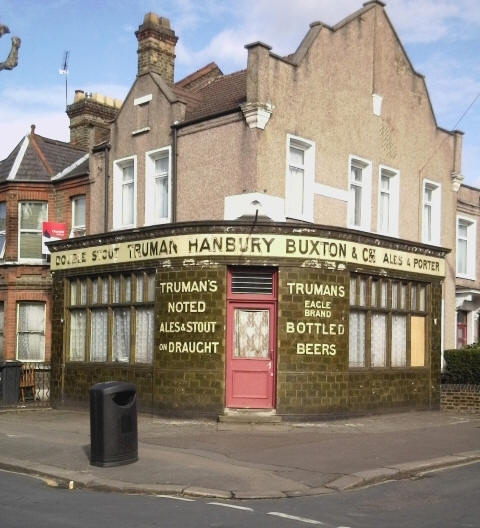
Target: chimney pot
156	47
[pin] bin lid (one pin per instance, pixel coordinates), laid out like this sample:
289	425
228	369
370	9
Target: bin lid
112	387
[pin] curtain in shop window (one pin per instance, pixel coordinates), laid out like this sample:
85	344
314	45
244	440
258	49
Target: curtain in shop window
78	329
144	335
399	340
31	332
251	333
379	340
356	350
121	334
99	335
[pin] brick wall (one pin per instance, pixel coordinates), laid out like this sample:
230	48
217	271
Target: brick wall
190	365
312	366
461	398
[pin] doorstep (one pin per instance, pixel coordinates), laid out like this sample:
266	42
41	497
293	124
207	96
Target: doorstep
250	416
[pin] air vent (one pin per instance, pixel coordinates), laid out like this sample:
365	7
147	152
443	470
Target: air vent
258	282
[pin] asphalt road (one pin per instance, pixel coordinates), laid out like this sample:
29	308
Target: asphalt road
442	499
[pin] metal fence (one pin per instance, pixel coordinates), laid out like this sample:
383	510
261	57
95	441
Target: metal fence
33	386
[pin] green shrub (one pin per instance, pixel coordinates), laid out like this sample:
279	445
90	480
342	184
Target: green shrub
463	365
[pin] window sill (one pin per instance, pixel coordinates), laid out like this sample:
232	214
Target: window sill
36	262
141	131
159	221
361	228
465	277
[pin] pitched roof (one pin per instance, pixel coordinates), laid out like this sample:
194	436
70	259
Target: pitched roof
200	78
37	158
224	93
7	164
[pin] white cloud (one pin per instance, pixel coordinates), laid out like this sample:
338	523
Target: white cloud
14	127
44	108
283	24
426	21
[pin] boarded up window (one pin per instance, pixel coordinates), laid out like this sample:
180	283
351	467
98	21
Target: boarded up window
417	336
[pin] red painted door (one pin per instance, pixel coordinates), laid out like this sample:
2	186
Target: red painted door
250	369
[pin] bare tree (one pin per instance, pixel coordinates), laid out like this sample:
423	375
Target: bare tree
12	59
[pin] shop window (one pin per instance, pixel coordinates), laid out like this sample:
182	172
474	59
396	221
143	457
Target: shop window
112	318
385	330
158	186
31	331
299	179
125	193
466	248
431	212
31	217
78	217
3	223
388	201
360	201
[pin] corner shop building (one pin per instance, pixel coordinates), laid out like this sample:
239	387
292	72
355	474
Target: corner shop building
204	317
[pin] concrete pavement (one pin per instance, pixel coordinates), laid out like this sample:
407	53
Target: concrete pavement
202	458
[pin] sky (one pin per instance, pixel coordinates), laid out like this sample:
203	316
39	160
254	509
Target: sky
441	38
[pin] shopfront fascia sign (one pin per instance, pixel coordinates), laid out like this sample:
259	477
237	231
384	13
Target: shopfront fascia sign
243	245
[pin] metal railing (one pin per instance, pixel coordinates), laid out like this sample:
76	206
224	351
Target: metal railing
33	386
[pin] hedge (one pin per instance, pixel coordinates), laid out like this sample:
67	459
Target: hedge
463	365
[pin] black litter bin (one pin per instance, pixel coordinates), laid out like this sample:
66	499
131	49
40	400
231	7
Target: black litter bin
113	424
10	372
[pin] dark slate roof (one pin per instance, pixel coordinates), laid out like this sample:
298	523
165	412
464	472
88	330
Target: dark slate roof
7	163
80	170
58	153
221	95
43	159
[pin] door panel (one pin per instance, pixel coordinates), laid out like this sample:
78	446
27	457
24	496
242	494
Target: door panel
251	337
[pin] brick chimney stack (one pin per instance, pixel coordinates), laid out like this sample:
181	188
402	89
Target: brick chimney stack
90	118
156	47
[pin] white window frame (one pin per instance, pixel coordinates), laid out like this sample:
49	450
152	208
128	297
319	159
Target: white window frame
151	209
434	237
118	166
471	240
366	186
42	332
393	176
308	148
78	230
3	233
20	231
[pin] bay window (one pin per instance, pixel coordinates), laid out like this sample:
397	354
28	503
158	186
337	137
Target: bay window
3	228
31	216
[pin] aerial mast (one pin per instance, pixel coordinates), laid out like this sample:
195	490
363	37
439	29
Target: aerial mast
64	71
